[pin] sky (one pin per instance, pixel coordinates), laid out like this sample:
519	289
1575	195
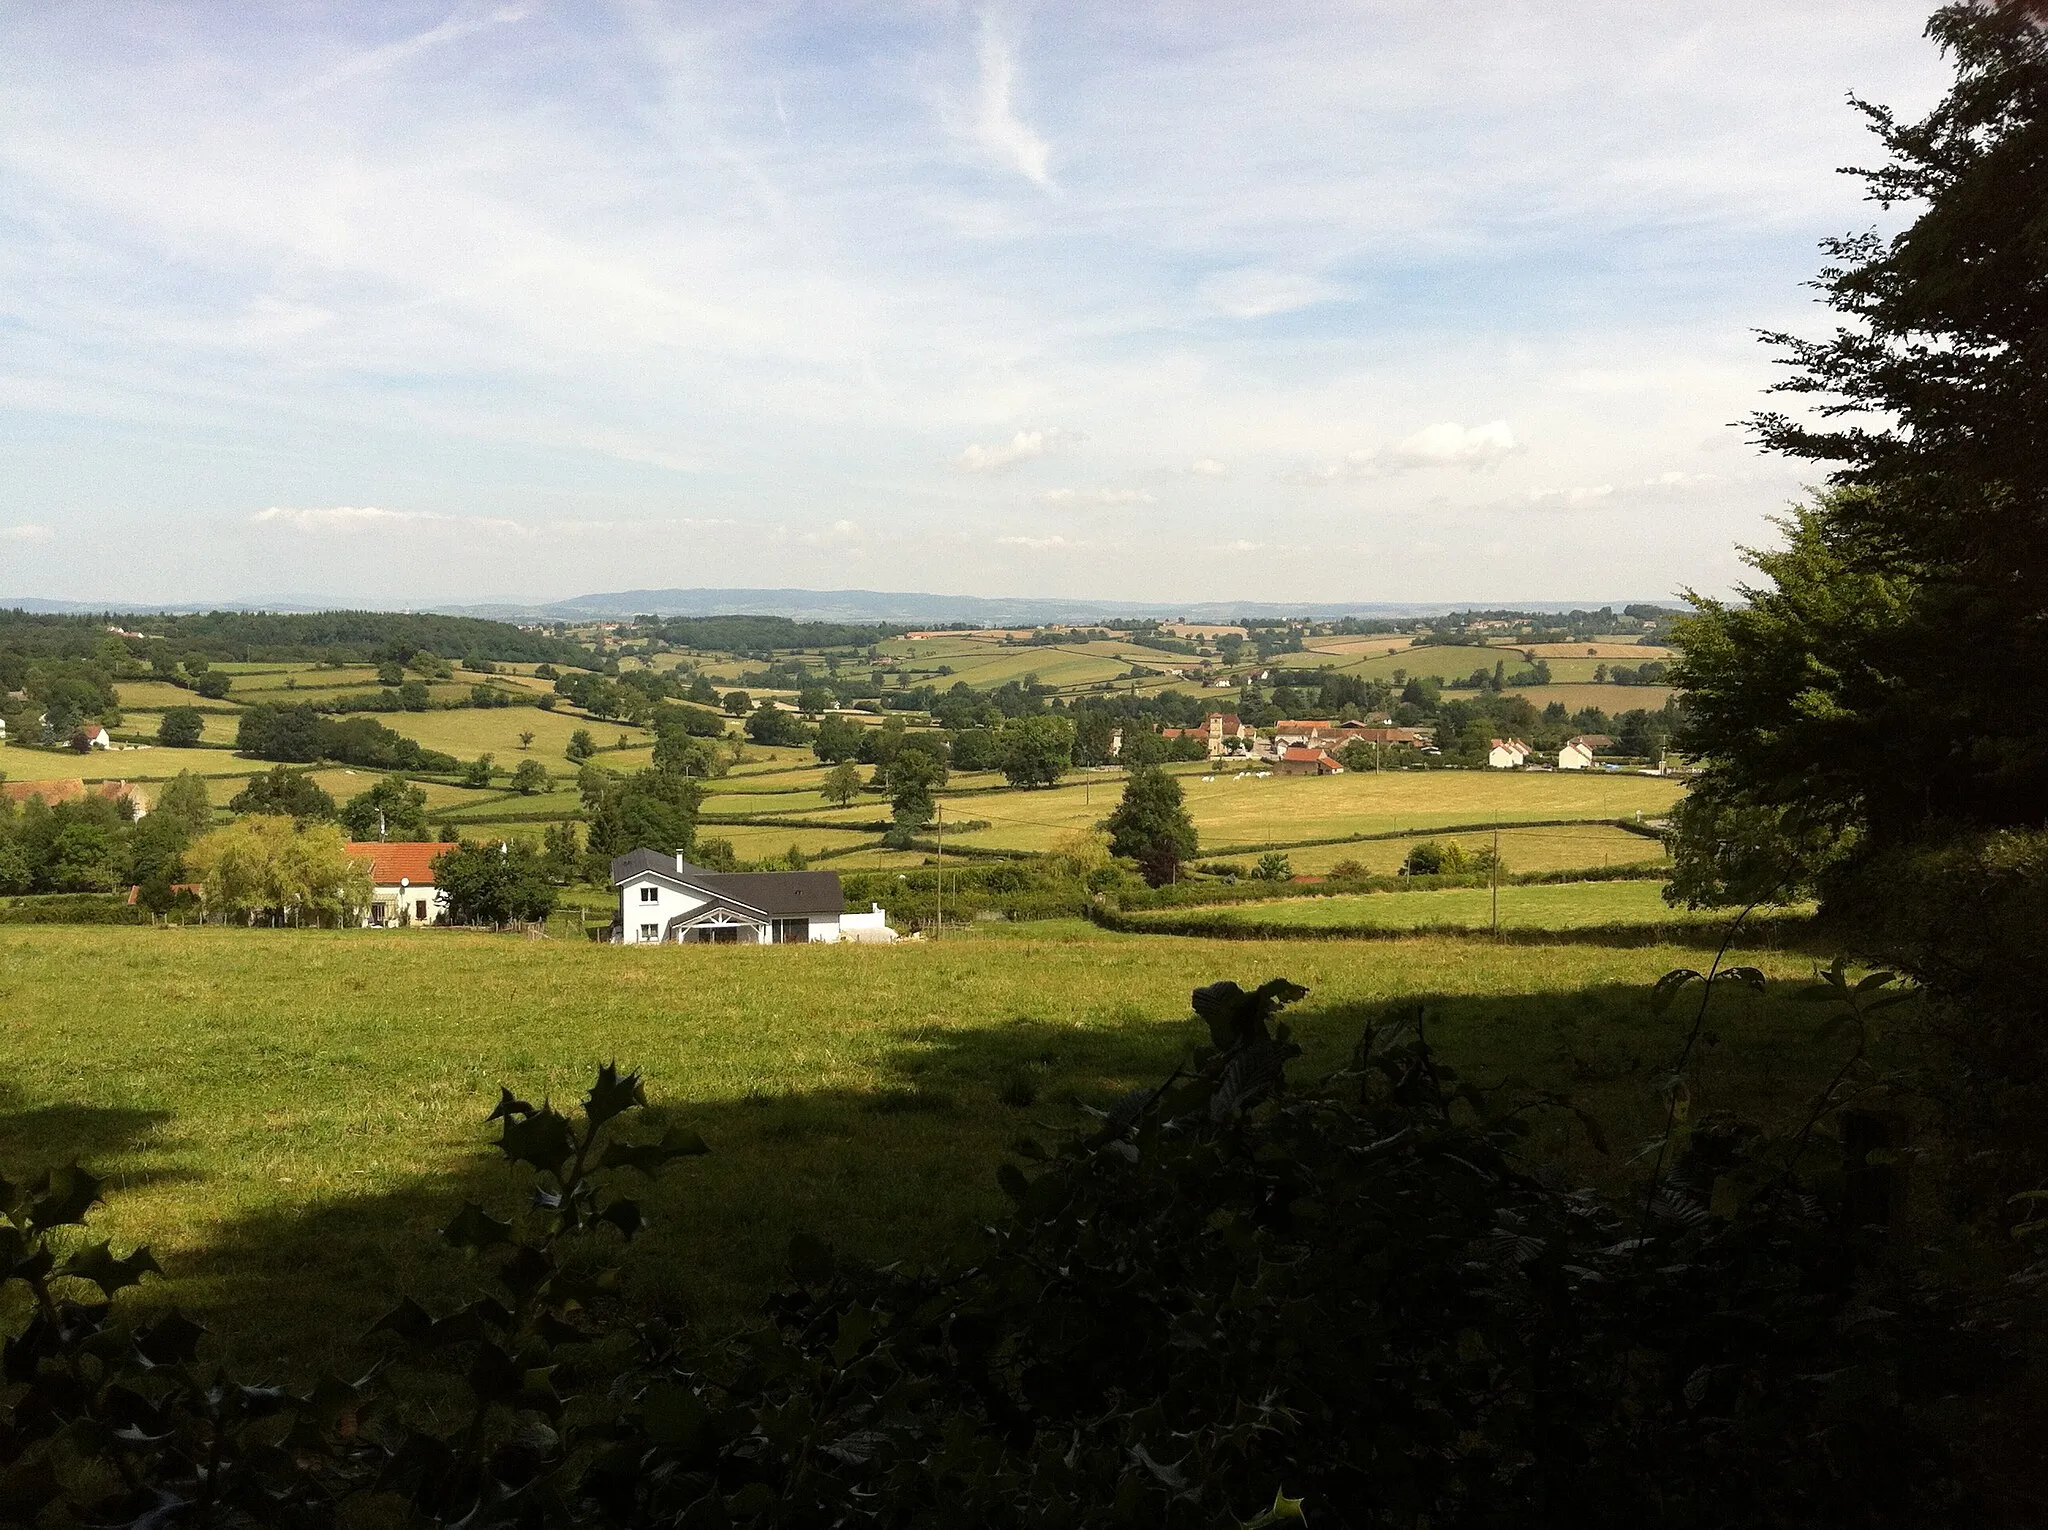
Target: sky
433	303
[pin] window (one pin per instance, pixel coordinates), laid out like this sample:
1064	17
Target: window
792	930
419	911
650	932
650	895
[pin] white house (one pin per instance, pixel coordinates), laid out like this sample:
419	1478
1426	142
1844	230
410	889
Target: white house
402	890
1575	755
664	899
91	736
1506	753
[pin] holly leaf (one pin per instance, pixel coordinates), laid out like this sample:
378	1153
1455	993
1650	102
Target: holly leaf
61	1198
625	1216
612	1095
98	1265
543	1139
476	1228
509	1105
650	1158
170	1340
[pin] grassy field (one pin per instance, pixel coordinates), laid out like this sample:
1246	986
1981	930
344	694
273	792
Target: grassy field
1571	848
151	764
1543	906
469	731
286	1117
1229	810
1611	699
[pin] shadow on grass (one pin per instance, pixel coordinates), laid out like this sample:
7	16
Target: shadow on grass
907	1170
101	1137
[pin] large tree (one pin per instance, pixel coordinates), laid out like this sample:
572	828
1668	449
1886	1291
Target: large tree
1886	677
1151	825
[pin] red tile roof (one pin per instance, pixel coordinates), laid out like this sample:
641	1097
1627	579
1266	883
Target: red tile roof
1300	725
391	860
54	792
1307	754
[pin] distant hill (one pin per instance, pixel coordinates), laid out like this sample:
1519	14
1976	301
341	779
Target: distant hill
855	606
905	606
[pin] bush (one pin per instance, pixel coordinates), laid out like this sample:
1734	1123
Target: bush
213	685
181	728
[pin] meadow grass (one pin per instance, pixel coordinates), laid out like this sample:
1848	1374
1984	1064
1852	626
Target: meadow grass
467	732
214	727
1609	698
1231	811
286	1117
138	764
1571	848
160	695
1540	906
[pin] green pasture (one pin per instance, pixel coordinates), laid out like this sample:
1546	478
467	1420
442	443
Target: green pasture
161	695
133	764
1232	809
467	732
1573	847
287	1117
1540	906
1611	699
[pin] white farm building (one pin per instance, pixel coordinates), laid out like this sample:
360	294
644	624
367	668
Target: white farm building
663	899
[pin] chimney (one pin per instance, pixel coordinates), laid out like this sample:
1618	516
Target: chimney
680	862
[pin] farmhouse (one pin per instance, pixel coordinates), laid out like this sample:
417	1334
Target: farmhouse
1306	760
54	792
664	899
402	889
1506	753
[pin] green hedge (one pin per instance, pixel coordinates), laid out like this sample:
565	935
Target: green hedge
71	908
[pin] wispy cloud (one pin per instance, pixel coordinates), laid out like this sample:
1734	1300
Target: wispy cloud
840	533
1258	292
1004	455
1449	445
1041	544
1112	497
1000	133
1207	467
465	21
27	534
1578	495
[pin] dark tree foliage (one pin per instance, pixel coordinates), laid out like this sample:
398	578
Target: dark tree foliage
495	883
300	735
752	634
181	728
393	809
287	793
651	809
1933	414
1151	825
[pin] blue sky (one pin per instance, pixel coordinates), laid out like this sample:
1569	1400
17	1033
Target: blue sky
427	303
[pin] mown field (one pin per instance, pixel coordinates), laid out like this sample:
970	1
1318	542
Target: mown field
1541	906
287	1117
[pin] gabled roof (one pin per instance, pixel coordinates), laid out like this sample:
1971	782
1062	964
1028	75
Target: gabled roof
773	894
1303	725
1592	740
391	860
1306	754
54	792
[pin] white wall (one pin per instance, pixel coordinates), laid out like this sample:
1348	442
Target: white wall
634	914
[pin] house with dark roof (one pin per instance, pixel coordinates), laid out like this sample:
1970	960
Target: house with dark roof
663	899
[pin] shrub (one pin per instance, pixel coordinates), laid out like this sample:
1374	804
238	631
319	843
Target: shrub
181	728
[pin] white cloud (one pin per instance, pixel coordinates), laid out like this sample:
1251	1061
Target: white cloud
1237	547
26	534
1040	544
463	22
1003	456
1111	497
1258	292
355	520
1582	495
1474	447
1207	467
839	534
1001	134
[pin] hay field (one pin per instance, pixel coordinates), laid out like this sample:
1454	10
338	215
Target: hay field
1573	848
1611	699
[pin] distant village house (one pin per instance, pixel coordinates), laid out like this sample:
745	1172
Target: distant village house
664	900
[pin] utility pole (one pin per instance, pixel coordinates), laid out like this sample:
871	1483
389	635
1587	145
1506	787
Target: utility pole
1496	878
940	876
